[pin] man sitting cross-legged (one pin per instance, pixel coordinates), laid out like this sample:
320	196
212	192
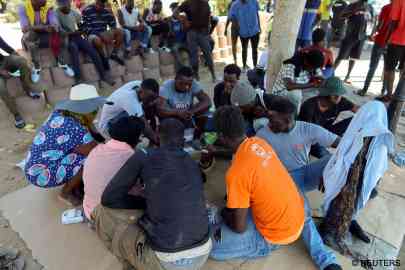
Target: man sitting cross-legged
134	27
177	100
173	232
96	20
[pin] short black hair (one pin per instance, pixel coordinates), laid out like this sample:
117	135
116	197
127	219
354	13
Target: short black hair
318	35
171	131
127	129
229	122
314	58
280	104
150	84
185	71
174	5
233	69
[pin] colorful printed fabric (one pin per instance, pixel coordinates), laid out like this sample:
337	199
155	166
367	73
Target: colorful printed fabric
51	160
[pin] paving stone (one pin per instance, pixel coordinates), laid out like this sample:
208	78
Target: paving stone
166	58
134	64
118	83
60	79
393	181
132	77
151	60
56	95
116	70
167	71
151	73
31	109
89	72
46	57
46	81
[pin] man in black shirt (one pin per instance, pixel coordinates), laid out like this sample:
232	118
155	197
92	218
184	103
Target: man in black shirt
175	219
199	14
351	48
324	109
223	90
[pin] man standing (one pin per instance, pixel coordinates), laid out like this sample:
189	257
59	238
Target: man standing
134	28
396	47
351	48
173	232
40	30
307	23
380	42
177	100
246	14
13	63
198	12
325	10
96	20
130	100
223	90
69	21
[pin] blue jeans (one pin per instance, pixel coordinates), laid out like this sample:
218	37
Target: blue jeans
200	40
185	264
77	44
307	178
229	245
376	54
143	37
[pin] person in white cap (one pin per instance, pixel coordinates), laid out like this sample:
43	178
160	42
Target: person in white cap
63	142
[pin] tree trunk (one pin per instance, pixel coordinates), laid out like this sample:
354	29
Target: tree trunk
286	25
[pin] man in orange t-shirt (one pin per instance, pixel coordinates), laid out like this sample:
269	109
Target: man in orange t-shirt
265	208
396	41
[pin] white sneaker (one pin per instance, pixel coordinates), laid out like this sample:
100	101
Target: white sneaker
15	74
68	70
35	75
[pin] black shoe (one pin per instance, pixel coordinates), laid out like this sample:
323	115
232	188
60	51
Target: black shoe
117	59
357	231
106	63
374	193
19	122
333	266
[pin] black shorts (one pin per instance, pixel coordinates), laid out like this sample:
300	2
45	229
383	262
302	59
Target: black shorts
351	48
395	55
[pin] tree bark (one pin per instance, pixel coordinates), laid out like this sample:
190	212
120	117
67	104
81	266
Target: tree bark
286	25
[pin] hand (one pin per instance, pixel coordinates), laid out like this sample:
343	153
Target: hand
4	74
318	81
184	115
50	29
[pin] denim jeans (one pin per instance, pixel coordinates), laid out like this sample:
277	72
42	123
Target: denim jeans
307	178
376	54
200	40
143	37
77	44
227	245
185	264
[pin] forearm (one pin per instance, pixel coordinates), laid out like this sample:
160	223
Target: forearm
5	47
299	86
167	113
200	107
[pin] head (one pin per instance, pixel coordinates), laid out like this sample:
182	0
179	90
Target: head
127	130
230	125
184	80
313	60
37	4
85	119
281	115
171	132
332	91
244	96
157	6
231	76
130	4
64	6
173	6
101	4
149	91
318	37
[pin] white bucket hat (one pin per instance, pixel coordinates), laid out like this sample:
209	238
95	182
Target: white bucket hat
83	99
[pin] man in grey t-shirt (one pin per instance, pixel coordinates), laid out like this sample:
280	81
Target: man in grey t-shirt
177	99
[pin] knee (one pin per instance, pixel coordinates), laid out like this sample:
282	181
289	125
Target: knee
98	43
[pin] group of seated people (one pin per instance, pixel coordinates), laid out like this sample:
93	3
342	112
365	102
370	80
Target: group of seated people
171	226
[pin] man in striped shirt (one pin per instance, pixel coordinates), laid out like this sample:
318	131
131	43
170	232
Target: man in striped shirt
101	28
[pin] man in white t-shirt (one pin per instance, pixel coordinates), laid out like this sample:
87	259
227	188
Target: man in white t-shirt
130	99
